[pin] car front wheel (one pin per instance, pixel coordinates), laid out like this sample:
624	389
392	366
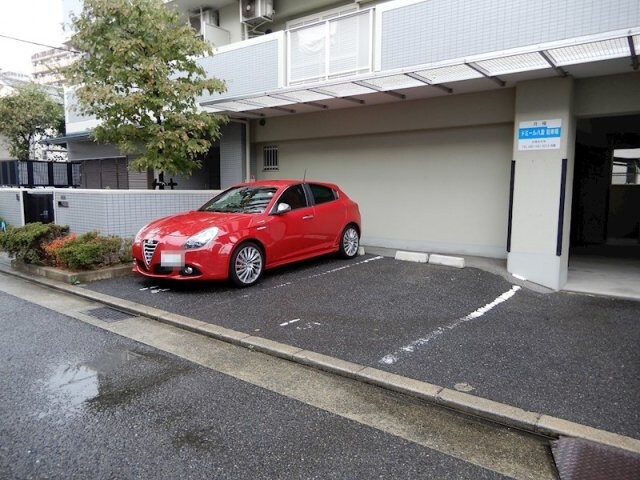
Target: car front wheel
247	263
349	242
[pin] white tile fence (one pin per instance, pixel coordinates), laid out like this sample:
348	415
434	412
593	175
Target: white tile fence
111	212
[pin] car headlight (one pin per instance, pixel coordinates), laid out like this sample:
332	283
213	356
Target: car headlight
200	239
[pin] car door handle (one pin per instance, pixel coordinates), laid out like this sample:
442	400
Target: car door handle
307	217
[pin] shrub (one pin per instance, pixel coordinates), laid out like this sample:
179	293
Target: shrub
52	250
27	243
89	251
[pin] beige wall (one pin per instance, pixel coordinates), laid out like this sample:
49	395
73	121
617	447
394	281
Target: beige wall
605	96
425	188
491	107
229	18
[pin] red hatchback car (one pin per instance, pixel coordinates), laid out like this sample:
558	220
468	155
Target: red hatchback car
249	228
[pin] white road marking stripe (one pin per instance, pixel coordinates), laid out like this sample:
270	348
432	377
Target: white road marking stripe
394	357
334	270
289	322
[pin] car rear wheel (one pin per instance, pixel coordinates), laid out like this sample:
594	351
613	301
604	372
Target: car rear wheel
247	263
349	242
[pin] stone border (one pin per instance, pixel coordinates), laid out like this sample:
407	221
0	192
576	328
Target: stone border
72	278
532	422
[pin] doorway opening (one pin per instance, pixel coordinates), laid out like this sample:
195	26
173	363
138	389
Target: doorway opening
605	221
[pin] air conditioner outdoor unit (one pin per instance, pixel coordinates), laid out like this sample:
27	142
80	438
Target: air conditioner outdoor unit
254	11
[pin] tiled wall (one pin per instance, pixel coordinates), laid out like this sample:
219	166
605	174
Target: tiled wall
252	68
121	212
115	212
437	30
11	206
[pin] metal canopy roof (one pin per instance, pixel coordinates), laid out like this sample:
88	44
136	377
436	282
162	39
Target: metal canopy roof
499	68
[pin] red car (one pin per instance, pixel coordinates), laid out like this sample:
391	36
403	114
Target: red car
249	228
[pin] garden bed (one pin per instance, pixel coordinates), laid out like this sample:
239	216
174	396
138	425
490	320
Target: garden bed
73	278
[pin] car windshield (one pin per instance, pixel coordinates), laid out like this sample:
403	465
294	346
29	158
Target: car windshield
241	200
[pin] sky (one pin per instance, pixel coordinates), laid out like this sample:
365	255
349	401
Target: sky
35	20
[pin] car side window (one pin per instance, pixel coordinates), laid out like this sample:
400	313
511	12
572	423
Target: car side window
322	194
294	196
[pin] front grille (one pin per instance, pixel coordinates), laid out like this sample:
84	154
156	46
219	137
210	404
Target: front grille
148	247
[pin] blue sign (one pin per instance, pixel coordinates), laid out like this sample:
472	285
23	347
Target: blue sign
540	135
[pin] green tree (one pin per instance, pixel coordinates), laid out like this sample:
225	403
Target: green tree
138	75
28	115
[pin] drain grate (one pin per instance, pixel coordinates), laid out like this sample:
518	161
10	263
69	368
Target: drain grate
579	459
108	314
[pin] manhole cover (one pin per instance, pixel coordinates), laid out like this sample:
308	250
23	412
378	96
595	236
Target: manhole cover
579	459
108	314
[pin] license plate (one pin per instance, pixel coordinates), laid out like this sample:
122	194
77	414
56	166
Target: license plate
172	259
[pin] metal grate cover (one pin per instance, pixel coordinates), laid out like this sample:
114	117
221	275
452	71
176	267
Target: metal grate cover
579	459
108	314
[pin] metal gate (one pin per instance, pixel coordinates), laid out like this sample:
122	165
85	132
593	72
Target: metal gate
38	207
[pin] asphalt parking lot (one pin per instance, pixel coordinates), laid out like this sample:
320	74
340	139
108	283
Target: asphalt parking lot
570	356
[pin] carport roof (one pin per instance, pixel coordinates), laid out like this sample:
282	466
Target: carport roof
594	55
72	137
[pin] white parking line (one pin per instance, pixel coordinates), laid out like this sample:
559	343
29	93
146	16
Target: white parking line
343	267
289	322
394	357
333	270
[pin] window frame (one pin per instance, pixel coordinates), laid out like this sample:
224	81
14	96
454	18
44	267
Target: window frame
270	158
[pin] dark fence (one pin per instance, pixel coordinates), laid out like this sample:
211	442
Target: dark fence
34	173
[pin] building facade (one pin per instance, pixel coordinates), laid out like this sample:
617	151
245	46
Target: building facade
484	127
46	65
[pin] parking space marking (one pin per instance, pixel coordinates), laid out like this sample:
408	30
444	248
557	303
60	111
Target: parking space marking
333	270
344	267
154	289
309	326
394	357
289	322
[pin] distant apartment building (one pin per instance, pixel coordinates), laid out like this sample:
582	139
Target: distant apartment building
46	65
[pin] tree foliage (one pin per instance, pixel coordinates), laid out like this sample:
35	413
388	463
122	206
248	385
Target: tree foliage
28	115
138	75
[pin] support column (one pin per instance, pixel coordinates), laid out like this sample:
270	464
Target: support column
544	144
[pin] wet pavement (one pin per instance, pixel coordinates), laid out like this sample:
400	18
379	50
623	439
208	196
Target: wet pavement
81	402
565	355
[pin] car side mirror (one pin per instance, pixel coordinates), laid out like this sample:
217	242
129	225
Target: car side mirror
283	208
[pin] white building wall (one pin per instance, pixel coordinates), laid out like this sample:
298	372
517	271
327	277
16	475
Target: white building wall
4	149
11	209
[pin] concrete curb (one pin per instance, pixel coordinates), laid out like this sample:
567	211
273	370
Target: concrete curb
417	257
446	260
73	277
490	410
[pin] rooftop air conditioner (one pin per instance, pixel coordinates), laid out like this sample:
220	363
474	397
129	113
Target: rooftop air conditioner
254	11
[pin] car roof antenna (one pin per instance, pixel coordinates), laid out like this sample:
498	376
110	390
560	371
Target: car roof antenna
304	177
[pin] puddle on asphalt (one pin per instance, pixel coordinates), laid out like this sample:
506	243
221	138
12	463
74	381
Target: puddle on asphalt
73	385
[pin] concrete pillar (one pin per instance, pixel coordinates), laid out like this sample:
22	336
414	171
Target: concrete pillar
540	214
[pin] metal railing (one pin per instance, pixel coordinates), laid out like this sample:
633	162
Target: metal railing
34	173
